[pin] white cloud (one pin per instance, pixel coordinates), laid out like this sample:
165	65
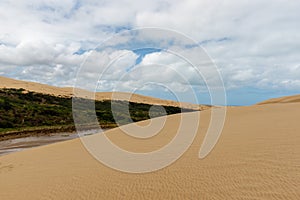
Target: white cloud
254	43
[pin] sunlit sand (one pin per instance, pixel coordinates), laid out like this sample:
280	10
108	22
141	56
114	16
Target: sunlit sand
256	157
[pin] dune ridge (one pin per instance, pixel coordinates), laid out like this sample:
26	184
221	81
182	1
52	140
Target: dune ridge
68	92
286	99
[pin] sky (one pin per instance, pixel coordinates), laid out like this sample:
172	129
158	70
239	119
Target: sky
252	46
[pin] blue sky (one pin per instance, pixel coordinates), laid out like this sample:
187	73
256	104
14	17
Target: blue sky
255	45
143	52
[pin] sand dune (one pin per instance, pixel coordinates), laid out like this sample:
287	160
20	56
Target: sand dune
256	157
68	92
287	99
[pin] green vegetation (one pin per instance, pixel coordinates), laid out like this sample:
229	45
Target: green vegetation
29	111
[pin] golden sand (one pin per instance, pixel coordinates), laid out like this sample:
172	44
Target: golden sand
256	157
287	99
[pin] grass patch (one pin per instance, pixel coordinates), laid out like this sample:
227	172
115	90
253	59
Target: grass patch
25	111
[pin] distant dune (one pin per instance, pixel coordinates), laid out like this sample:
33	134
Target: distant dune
68	92
256	157
287	99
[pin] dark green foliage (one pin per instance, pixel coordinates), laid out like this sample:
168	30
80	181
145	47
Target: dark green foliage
21	109
28	109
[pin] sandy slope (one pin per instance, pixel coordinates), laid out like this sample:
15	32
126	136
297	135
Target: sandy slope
68	92
287	99
257	157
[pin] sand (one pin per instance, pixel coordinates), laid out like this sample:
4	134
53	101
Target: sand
286	99
68	92
256	157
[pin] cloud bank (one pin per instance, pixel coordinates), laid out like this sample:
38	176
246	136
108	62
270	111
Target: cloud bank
254	44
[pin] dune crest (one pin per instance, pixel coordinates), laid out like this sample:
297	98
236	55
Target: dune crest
286	99
68	92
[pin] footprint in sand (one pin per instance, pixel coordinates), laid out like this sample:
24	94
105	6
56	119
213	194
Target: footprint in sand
6	168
